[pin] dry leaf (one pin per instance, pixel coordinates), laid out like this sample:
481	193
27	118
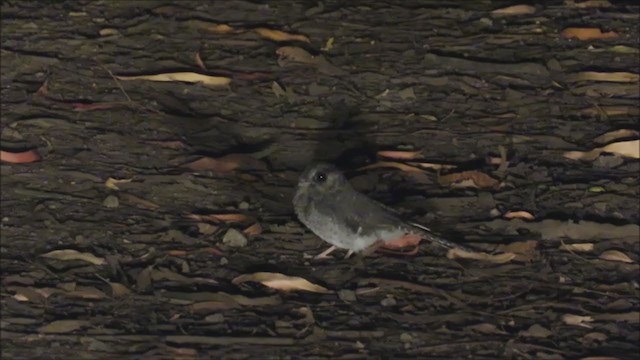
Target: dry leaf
220	28
63	326
608	111
189	77
615	255
253	230
577	320
537	331
206	229
169	144
582	247
65	255
524	250
281	282
603	76
111	183
616	134
514	10
277	35
28	156
389	164
227	163
471	178
434	166
400	155
296	54
519	215
629	149
118	290
87	293
587	33
457	253
486	328
199	61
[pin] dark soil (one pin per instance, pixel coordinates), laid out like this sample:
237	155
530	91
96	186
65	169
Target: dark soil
506	96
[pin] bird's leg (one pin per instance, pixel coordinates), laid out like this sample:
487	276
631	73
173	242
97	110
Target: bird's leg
325	254
349	253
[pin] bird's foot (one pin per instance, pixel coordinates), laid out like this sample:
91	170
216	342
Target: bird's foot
325	254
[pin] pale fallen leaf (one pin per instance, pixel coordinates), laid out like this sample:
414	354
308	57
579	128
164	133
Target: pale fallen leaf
587	33
426	165
390	164
328	45
603	76
227	163
608	110
577	320
278	91
281	282
139	202
519	215
629	149
189	77
220	28
471	178
253	230
400	155
206	229
457	253
63	326
615	255
581	247
69	254
28	156
87	293
118	290
277	35
199	61
111	183
537	331
616	134
514	10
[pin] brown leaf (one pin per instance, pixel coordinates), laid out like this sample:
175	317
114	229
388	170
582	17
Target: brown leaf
169	144
630	149
87	293
111	183
277	35
189	77
143	280
139	202
524	250
63	326
615	255
389	164
587	33
281	282
253	230
118	290
486	328
227	163
537	331
577	320
400	155
68	254
457	253
514	10
471	178
24	157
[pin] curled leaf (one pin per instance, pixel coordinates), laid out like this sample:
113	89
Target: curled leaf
603	76
615	135
400	155
582	247
615	255
63	326
253	230
111	183
227	218
189	77
277	35
457	253
281	282
227	163
577	320
471	178
519	215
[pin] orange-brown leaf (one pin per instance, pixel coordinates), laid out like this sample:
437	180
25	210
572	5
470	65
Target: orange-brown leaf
227	163
587	33
28	156
471	178
281	282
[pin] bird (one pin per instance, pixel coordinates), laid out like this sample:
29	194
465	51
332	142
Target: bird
327	204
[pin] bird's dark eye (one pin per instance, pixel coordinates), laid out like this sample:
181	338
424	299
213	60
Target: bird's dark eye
320	177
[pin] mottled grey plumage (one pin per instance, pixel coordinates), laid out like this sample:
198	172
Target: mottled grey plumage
330	207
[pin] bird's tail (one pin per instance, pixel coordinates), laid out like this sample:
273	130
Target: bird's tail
428	235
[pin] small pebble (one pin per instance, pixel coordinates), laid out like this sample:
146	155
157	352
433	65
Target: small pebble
224	261
388	301
111	202
214	318
406	338
347	295
243	205
234	238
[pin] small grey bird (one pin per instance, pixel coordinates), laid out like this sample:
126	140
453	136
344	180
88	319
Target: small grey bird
329	206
